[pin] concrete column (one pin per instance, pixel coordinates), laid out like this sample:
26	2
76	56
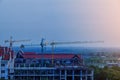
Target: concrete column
86	76
73	75
34	78
12	78
80	74
92	78
47	78
92	75
40	77
60	74
53	74
27	77
65	74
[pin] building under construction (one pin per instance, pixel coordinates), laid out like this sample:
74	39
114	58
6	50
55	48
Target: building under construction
32	66
43	66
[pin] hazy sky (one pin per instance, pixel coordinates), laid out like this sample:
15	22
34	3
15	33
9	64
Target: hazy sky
61	20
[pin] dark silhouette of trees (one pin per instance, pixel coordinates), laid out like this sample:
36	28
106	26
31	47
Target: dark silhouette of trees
106	73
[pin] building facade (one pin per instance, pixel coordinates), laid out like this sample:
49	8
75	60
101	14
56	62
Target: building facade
32	66
6	59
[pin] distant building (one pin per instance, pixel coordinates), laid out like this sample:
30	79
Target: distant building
32	66
95	61
102	61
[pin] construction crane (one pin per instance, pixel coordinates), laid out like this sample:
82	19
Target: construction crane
42	45
11	41
53	43
75	42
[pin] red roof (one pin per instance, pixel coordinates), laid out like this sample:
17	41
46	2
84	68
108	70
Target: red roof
48	56
7	56
4	54
31	55
1	50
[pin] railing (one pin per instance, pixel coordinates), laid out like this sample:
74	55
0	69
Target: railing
51	72
36	75
43	68
51	75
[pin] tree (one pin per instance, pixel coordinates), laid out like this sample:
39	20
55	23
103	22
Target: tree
107	73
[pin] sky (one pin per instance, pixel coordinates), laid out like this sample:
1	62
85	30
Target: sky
61	20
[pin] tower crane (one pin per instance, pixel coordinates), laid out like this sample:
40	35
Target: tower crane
53	43
11	41
42	45
74	42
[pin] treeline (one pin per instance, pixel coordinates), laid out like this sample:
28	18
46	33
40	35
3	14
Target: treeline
107	73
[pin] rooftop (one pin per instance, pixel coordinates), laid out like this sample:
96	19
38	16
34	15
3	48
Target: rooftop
49	55
5	53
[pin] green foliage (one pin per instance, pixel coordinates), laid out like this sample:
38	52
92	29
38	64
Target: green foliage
106	73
